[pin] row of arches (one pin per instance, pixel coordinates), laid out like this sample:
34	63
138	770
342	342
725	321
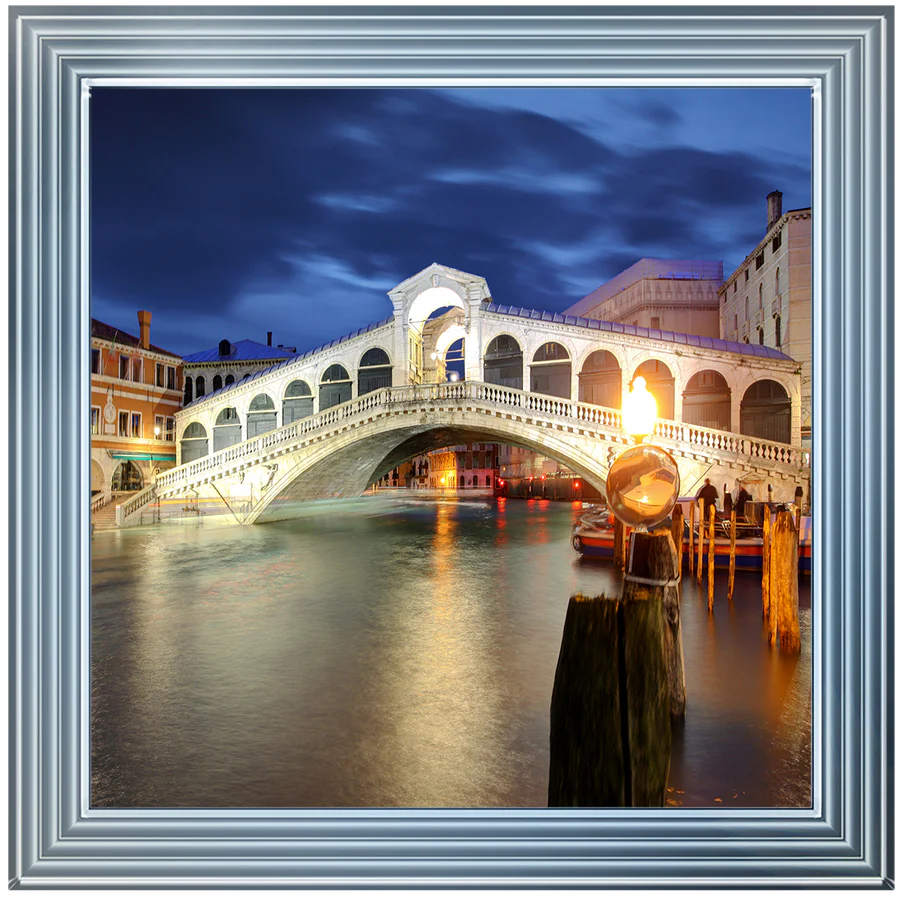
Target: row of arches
374	372
707	401
335	387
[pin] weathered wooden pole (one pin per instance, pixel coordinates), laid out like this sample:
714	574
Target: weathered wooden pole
701	530
691	538
731	554
765	564
784	588
619	543
678	535
712	557
610	725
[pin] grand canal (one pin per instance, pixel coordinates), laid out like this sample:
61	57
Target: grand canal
394	652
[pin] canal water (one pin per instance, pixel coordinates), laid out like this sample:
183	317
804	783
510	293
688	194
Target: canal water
394	652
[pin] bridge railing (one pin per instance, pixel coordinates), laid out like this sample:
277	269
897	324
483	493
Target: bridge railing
572	411
133	504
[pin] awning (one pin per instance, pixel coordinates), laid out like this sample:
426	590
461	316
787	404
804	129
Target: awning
152	457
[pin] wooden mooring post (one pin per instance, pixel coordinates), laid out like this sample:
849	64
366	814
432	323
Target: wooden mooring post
731	554
691	537
678	535
619	543
711	575
701	530
784	590
767	524
612	702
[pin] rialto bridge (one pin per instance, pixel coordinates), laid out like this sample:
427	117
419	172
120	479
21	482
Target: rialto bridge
330	422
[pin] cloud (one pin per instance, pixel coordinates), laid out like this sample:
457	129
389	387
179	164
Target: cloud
221	209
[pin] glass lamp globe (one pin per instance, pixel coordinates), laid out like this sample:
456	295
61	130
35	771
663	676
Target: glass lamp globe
642	486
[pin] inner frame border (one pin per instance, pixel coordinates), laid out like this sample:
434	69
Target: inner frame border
845	840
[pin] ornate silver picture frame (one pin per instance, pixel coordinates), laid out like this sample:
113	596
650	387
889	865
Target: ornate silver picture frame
844	55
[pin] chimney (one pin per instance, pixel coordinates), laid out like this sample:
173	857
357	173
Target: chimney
144	323
773	204
269	333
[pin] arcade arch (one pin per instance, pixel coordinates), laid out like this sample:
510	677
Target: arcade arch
227	430
551	371
335	387
660	383
766	412
374	371
503	362
297	403
600	380
707	401
194	443
127	477
261	416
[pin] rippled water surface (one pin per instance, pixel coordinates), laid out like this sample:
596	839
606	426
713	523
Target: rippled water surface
398	653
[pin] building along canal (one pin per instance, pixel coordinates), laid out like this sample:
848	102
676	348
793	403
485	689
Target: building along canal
399	652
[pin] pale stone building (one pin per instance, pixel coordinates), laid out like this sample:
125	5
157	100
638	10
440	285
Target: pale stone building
661	294
767	300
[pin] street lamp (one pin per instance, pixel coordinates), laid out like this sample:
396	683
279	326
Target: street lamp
639	410
643	482
156	431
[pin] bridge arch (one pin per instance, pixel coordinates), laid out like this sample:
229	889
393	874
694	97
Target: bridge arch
434	298
376	449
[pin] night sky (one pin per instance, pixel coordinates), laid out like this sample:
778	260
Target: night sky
230	213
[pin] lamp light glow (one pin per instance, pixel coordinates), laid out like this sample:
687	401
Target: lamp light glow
639	410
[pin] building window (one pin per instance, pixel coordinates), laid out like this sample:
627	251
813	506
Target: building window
170	428
746	275
776	242
170	377
159	375
95	420
735	324
95	361
200	385
746	308
124	367
777	331
136	430
123	424
778	281
217	382
760	258
746	339
654	322
137	370
159	423
759	331
760	299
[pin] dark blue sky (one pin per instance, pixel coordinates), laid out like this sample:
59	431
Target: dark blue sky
230	213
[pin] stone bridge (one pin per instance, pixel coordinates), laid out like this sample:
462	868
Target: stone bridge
328	422
339	452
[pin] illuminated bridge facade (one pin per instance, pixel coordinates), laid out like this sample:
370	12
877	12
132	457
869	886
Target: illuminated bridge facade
329	422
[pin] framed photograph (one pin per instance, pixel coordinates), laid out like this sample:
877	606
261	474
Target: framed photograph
72	833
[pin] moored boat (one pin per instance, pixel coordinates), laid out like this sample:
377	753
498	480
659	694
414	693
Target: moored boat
594	537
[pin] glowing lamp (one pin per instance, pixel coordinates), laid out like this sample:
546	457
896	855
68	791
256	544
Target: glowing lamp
577	484
157	430
639	410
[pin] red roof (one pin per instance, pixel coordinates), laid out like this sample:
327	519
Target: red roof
117	336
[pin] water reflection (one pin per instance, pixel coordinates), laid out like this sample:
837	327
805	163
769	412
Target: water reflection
395	655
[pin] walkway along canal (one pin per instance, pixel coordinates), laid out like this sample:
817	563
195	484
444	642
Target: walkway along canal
395	652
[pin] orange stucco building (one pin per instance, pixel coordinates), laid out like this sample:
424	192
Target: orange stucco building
136	389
